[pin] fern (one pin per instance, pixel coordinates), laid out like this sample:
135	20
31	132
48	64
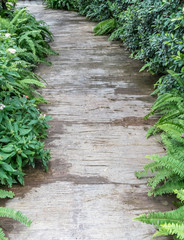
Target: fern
172	229
168	223
168	187
168	169
160	176
180	194
105	27
169	162
5	194
2	235
159	218
18	17
32	81
32	35
11	213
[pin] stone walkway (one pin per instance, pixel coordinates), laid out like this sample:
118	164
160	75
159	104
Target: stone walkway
97	100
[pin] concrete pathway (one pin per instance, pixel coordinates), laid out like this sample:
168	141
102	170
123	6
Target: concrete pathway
97	100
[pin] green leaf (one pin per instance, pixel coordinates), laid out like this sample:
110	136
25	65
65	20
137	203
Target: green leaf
32	81
5	194
8	148
24	131
7	167
18	216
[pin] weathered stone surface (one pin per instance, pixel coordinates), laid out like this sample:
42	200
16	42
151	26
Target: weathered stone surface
97	99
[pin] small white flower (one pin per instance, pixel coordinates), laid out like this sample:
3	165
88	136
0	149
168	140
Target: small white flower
11	50
42	116
2	106
7	35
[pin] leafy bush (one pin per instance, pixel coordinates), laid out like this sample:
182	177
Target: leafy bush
14	72
61	4
23	43
22	127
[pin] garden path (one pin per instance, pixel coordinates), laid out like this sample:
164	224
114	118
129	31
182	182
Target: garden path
97	99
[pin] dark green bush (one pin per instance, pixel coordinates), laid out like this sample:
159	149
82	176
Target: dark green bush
62	4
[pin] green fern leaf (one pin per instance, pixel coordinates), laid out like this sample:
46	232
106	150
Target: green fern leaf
11	213
2	235
161	175
105	27
32	81
179	194
167	188
174	228
159	218
5	194
18	16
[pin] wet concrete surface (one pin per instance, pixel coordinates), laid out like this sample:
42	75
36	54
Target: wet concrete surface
97	99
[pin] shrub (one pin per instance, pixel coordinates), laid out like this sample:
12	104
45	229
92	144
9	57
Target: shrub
21	130
23	43
61	4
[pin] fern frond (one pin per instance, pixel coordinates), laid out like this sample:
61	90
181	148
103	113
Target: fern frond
105	27
11	213
161	175
2	235
179	194
152	167
168	161
159	218
173	114
172	128
5	194
152	131
167	187
32	81
18	16
174	228
165	99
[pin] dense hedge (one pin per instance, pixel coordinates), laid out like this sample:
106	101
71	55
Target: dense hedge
153	30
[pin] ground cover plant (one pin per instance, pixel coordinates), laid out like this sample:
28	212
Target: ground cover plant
153	30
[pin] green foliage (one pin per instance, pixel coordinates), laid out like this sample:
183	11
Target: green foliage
21	130
31	35
14	72
23	43
18	216
61	4
180	194
105	27
168	223
11	213
169	168
5	194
